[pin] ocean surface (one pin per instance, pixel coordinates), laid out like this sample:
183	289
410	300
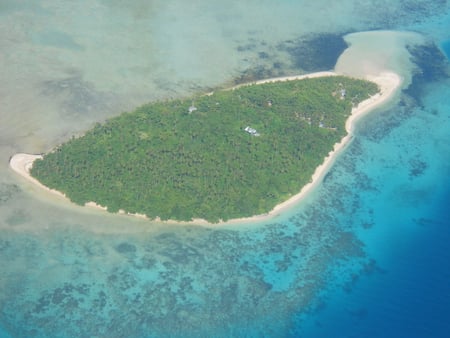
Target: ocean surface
366	254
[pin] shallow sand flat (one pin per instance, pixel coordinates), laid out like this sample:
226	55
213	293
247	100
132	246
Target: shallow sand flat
388	82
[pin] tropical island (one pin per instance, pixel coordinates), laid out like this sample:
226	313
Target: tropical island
225	155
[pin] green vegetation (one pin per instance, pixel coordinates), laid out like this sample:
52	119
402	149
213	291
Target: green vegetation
162	160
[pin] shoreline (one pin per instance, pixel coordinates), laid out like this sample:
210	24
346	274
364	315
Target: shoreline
388	83
289	78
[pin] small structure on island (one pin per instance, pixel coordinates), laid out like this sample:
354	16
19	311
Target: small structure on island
192	109
343	93
251	131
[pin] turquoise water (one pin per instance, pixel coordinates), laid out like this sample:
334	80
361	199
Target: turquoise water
365	255
402	217
446	48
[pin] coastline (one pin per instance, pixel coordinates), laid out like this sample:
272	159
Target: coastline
22	163
289	78
388	83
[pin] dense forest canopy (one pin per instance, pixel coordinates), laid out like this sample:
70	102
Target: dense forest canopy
196	158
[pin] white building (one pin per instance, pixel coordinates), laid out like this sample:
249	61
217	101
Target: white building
251	131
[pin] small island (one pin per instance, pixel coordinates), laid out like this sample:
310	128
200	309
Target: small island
226	155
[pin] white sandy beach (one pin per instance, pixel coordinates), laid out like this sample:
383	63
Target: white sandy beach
289	78
22	164
388	83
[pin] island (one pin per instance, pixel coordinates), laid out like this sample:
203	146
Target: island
230	154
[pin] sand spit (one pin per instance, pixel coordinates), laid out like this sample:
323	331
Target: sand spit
22	163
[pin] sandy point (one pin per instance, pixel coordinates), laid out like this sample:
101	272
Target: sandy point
22	163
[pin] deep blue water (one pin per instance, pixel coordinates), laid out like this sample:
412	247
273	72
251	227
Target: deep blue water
408	295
